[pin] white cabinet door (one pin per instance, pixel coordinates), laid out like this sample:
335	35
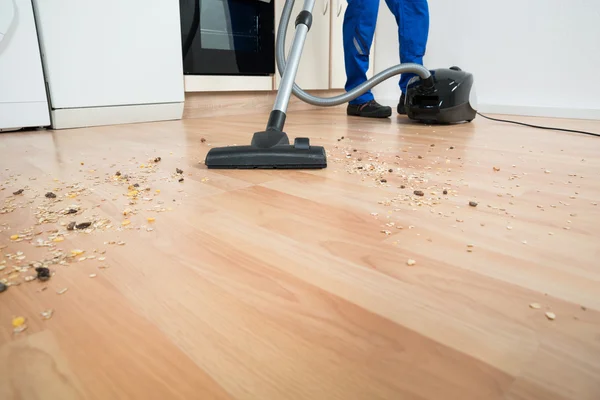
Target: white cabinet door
111	52
338	71
313	72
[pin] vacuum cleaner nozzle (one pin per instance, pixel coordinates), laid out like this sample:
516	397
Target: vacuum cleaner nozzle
269	149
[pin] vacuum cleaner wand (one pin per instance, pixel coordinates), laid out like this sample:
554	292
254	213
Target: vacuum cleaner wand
271	148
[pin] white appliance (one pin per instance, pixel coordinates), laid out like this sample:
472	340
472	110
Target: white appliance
23	101
111	61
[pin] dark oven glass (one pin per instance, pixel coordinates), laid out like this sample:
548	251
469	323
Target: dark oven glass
228	37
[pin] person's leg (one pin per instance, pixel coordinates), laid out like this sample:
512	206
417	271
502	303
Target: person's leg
358	31
412	17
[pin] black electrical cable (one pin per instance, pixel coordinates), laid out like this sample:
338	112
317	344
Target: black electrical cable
538	126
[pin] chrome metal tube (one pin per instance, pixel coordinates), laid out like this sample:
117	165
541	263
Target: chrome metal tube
282	66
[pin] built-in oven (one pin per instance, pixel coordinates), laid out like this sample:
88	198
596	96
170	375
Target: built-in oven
228	37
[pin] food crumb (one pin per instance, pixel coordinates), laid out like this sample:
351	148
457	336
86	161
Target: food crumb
18	192
18	321
93	275
50	195
43	273
411	262
473	203
62	291
445	191
535	306
550	315
496	169
419	193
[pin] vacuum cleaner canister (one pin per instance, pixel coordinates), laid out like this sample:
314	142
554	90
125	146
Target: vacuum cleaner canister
452	98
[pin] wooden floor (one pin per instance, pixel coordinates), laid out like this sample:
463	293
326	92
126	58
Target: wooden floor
297	284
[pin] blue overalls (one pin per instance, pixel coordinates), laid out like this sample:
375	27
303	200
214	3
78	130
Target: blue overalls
360	19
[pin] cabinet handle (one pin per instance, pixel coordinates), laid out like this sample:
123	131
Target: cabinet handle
326	7
339	7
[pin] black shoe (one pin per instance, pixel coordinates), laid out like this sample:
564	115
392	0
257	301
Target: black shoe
370	109
402	105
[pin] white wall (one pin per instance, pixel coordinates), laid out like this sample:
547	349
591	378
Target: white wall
529	57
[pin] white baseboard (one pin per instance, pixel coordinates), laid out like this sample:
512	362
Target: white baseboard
24	115
530	111
206	83
66	118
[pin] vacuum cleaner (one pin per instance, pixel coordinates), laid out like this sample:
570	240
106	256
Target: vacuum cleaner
438	96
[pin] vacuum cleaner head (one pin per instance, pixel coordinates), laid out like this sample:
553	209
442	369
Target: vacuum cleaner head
269	149
451	99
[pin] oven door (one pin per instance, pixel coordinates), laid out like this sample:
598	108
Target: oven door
228	37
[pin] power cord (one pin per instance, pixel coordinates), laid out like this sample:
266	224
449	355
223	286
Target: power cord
538	126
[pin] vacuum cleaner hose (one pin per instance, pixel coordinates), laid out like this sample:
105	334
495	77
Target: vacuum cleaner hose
348	96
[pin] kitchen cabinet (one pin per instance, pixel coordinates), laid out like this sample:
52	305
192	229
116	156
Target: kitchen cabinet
112	61
314	69
337	69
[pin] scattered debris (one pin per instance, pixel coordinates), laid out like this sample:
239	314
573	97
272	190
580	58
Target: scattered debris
93	275
47	314
419	193
202	140
402	187
157	159
151	219
179	171
550	315
83	225
584	308
496	169
180	179
50	195
384	181
43	273
411	262
126	222
535	306
62	291
18	192
445	191
18	324
18	321
473	203
3	287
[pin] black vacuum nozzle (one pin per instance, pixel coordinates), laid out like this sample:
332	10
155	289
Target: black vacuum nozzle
269	150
